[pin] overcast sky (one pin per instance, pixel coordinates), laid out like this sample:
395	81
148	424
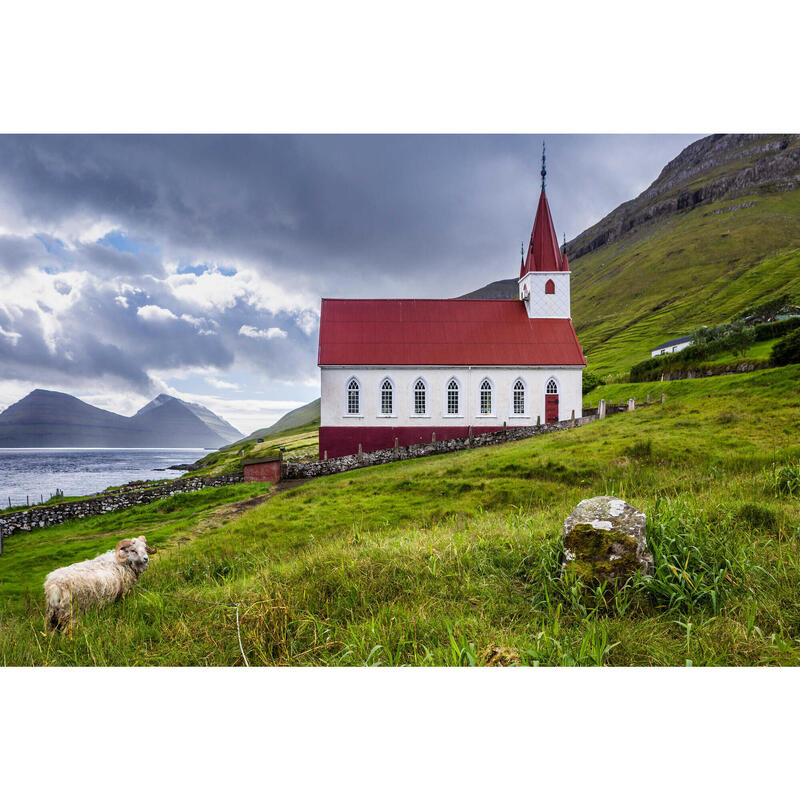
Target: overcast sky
194	265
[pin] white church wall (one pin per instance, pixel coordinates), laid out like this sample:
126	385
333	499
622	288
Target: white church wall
336	379
540	304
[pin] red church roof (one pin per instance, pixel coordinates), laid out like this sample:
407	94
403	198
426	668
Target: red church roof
544	254
442	332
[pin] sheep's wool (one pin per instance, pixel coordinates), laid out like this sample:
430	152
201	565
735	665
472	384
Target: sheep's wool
86	584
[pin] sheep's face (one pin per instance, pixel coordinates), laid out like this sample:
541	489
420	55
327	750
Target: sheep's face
135	553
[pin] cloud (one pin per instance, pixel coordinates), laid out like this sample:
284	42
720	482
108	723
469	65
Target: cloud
155	313
255	333
218	384
12	336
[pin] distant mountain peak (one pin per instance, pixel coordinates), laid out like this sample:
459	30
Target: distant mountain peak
44	418
157	401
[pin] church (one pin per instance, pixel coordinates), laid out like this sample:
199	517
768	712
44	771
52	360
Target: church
414	369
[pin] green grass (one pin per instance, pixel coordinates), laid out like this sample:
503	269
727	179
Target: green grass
696	268
760	351
455	559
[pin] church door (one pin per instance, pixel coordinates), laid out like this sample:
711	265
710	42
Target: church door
551	408
551	402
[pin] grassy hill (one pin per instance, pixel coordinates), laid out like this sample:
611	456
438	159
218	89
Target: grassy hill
717	232
701	268
297	418
456	559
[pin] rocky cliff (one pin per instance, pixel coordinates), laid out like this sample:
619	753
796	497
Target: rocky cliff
716	167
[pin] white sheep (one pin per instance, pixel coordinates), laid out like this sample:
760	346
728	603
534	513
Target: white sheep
95	582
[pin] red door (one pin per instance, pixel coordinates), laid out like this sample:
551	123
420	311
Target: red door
551	408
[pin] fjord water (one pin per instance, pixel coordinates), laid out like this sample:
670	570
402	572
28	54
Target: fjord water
80	471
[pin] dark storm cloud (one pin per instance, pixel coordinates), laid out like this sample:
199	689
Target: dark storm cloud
340	214
78	356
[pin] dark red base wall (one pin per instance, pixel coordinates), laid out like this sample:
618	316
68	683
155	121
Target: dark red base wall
344	441
269	472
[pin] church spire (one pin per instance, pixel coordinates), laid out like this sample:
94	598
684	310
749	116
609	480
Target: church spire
544	168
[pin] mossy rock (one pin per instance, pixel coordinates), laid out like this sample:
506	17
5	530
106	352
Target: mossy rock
604	541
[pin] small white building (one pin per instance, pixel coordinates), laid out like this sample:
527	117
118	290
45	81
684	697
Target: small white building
409	370
672	346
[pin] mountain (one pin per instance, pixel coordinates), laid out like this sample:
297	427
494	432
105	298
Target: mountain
298	417
187	418
506	289
716	233
54	419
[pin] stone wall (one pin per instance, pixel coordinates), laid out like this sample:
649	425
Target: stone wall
44	516
314	469
710	370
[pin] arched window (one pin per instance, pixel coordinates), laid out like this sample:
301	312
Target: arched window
486	397
453	403
550	287
387	397
420	397
353	397
552	387
519	397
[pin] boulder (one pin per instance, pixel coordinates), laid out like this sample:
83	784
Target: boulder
498	656
604	541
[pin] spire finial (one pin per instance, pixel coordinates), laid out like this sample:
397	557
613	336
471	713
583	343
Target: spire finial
565	242
544	170
522	249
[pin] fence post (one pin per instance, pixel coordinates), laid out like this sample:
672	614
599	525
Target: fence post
663	397
648	399
631	404
325	455
396	447
360	453
538	421
470	435
433	437
601	410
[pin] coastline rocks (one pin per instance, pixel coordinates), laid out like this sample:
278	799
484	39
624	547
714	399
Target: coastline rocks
604	541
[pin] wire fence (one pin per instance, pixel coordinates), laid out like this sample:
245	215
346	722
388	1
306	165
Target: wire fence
24	500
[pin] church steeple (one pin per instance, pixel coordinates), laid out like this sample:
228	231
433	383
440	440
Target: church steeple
544	272
544	253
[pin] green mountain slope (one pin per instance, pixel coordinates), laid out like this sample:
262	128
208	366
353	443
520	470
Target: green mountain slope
717	232
297	418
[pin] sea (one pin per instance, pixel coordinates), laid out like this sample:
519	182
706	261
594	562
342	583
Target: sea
31	475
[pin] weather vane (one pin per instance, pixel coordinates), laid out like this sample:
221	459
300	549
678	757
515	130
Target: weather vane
544	171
